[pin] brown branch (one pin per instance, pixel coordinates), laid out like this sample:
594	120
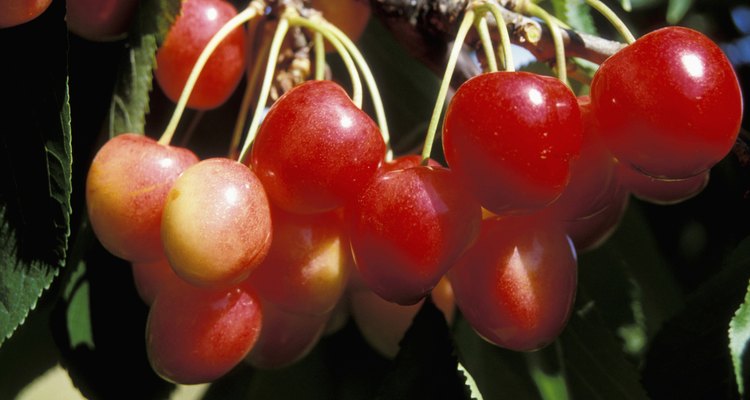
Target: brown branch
427	27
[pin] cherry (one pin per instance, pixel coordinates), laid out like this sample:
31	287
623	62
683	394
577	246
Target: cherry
196	335
593	230
406	161
669	105
407	229
516	285
150	278
17	12
286	337
511	137
307	267
216	226
126	188
350	16
193	28
315	150
661	191
100	20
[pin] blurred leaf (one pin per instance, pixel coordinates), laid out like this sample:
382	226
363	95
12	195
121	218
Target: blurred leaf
593	360
626	5
545	367
739	335
426	367
689	357
677	9
35	157
130	103
575	13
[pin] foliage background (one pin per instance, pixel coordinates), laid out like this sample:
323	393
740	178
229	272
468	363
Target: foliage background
653	310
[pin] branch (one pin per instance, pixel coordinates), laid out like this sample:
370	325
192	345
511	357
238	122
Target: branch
426	28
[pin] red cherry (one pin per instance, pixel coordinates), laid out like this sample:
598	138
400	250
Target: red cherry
516	285
100	20
350	16
406	161
408	228
661	191
150	278
16	12
315	150
593	230
307	268
216	226
511	136
669	105
196	335
126	188
193	28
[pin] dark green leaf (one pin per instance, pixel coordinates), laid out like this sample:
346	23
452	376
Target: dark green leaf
677	9
130	103
739	335
690	357
575	13
426	367
35	159
593	360
546	369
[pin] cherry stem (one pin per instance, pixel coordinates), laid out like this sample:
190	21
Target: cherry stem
320	57
247	14
554	28
338	44
247	97
502	28
486	39
273	55
377	101
613	19
463	30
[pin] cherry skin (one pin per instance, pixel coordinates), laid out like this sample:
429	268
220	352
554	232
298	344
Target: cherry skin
286	337
196	335
406	161
315	150
193	28
126	188
590	232
511	137
17	12
350	16
216	226
408	228
669	105
660	191
307	267
150	278
517	284
100	20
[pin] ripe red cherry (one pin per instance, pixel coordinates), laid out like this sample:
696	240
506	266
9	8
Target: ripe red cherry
593	230
669	105
408	228
315	150
126	188
350	16
150	278
100	20
17	12
660	191
307	268
196	335
193	28
517	284
216	226
511	136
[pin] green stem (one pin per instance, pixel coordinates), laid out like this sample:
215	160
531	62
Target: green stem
463	30
273	56
502	28
247	14
315	26
535	10
320	57
372	86
484	37
613	19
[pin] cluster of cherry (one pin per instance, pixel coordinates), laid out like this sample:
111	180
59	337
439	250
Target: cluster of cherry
255	259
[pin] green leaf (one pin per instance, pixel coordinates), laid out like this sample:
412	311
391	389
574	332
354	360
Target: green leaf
575	13
593	360
739	335
689	357
130	103
35	159
677	9
426	366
